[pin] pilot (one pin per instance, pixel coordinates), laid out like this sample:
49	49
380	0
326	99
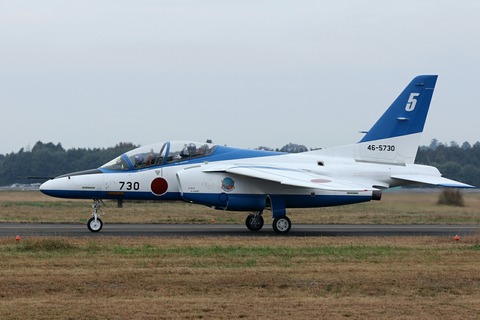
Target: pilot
192	149
202	150
138	160
188	151
151	158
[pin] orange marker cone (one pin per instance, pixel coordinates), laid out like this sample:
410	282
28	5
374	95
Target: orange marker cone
456	238
17	238
212	221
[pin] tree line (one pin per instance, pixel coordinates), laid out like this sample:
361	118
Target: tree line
49	160
455	162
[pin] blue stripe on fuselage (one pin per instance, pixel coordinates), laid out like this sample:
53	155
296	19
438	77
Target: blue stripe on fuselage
222	153
93	194
251	200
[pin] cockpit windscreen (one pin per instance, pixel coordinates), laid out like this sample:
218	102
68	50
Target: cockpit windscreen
158	154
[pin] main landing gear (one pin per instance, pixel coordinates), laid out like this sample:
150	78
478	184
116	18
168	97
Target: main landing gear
95	224
281	224
254	221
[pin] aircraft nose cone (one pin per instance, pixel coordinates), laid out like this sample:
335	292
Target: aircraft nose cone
46	187
68	184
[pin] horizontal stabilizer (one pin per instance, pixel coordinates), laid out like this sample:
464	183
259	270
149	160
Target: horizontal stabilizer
433	180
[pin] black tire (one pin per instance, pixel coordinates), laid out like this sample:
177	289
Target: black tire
254	223
95	226
281	225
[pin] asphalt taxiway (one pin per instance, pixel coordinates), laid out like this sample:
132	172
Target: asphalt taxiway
216	230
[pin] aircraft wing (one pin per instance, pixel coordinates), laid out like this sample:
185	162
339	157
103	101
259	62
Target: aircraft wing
433	180
294	177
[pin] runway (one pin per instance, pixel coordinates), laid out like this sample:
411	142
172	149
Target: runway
225	230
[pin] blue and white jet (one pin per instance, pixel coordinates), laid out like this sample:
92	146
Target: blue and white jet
235	179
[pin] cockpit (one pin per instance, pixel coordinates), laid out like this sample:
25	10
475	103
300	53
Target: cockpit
159	154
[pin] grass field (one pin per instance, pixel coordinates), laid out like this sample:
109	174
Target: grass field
240	277
395	208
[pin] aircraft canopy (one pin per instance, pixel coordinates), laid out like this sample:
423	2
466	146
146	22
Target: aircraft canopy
159	154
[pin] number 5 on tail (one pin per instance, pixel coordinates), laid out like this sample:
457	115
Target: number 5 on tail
412	102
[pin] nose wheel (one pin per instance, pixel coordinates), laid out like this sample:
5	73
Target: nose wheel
95	224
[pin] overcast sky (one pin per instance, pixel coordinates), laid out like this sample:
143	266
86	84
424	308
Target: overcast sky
242	73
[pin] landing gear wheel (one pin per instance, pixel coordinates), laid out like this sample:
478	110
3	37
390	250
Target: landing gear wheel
94	225
254	222
281	225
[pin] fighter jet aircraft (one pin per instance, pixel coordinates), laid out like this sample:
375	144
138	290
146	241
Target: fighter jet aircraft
235	179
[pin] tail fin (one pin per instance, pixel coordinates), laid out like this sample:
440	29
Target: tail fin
395	137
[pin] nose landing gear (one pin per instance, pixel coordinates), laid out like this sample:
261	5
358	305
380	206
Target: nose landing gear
95	224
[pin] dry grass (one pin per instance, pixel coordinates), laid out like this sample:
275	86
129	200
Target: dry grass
395	208
240	278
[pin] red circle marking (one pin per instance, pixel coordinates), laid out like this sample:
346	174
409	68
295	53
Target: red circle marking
159	186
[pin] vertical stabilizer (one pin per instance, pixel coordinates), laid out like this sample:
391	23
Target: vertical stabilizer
395	137
408	112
